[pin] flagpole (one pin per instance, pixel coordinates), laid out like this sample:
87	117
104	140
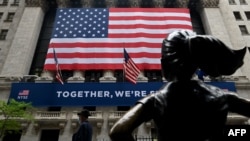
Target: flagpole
123	70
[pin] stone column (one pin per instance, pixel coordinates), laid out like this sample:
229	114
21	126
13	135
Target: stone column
104	131
108	76
46	77
142	78
78	77
67	132
30	134
214	24
143	131
21	52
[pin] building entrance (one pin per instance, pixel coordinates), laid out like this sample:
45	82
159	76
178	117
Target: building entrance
50	135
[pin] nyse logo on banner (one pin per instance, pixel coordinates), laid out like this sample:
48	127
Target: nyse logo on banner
23	94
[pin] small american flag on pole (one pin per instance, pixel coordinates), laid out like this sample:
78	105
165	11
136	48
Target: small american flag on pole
131	71
58	70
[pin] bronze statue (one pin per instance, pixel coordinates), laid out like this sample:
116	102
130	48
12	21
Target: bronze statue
186	108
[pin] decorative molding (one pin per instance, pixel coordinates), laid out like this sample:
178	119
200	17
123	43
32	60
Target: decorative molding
159	3
209	3
135	3
37	3
182	3
110	3
86	3
123	2
63	3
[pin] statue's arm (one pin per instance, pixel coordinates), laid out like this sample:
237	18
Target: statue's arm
123	128
238	104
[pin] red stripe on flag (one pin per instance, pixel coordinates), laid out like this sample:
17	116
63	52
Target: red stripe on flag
105	45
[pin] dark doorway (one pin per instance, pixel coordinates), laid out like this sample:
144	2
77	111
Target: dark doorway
12	136
50	135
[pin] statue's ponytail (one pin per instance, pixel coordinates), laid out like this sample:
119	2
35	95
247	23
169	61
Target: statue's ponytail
213	57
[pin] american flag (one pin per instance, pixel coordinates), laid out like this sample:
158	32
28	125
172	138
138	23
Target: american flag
58	70
131	71
24	93
94	38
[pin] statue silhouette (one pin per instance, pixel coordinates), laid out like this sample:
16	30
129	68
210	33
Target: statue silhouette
186	108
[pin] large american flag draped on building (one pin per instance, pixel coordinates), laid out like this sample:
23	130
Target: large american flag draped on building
94	38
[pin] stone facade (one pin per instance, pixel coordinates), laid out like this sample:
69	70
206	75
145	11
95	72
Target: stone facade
17	52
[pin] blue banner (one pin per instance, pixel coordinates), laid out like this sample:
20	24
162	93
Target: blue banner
89	94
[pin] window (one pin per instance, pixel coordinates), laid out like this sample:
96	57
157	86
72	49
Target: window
50	135
123	108
243	2
90	108
15	3
5	2
237	15
153	76
243	30
1	15
10	17
92	76
119	76
247	13
54	108
12	136
231	2
3	34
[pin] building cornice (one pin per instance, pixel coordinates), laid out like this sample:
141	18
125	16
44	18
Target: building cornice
209	3
135	3
182	3
37	3
159	3
86	3
63	3
242	85
110	3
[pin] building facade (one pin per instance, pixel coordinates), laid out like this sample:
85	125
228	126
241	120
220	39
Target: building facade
25	30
